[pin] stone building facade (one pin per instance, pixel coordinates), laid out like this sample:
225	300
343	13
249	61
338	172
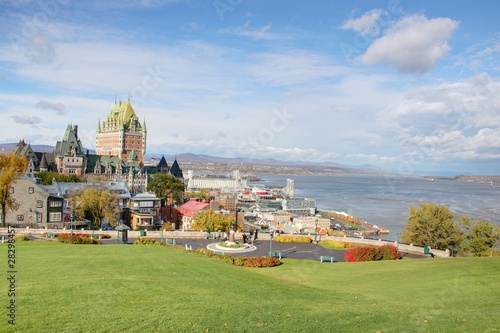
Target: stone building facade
37	206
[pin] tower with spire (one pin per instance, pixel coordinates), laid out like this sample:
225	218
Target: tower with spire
122	134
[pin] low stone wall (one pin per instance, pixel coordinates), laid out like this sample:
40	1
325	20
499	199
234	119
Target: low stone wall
402	247
262	236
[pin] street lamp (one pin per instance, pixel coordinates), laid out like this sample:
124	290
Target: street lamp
397	244
270	242
316	232
162	229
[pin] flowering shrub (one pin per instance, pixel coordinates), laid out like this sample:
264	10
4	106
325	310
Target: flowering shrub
371	253
336	233
76	239
261	262
20	237
292	239
335	244
147	241
389	252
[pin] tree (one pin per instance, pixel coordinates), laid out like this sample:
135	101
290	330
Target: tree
432	225
47	176
95	204
208	219
203	194
166	186
480	235
12	167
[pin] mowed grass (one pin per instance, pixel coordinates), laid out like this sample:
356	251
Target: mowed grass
131	288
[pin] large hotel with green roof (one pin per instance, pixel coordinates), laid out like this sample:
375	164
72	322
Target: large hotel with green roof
122	134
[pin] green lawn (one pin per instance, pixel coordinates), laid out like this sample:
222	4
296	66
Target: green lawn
131	288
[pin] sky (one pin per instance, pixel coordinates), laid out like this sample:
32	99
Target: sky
407	86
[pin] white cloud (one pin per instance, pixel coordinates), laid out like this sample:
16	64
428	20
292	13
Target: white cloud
366	24
459	120
412	45
260	33
481	56
294	67
58	107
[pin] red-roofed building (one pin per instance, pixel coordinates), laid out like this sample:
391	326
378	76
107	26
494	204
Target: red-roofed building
189	210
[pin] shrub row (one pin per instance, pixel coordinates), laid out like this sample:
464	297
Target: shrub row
77	234
336	233
76	239
240	261
147	241
335	244
20	237
371	253
292	239
237	261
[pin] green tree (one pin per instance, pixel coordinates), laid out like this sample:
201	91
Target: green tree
12	167
208	219
166	186
47	176
479	235
95	204
432	225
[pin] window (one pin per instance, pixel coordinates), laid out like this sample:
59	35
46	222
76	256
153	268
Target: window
31	190
11	190
146	204
38	217
55	217
54	203
20	218
39	204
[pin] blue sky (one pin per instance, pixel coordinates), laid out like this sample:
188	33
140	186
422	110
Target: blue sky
402	85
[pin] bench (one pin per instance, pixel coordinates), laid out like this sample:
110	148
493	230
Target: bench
95	235
326	259
189	247
221	253
51	234
171	241
275	254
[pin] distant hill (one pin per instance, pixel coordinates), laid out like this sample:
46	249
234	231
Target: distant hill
202	158
8	147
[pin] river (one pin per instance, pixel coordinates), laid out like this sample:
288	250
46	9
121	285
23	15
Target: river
384	200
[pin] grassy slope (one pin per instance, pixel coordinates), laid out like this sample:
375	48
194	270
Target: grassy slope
120	288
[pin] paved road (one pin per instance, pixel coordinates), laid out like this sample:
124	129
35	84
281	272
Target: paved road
288	250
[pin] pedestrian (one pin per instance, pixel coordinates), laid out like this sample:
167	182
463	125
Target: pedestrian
256	232
251	235
219	235
244	236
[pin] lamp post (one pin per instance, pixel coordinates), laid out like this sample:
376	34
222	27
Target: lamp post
162	229
316	232
397	244
270	242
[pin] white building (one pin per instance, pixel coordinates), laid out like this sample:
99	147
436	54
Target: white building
233	183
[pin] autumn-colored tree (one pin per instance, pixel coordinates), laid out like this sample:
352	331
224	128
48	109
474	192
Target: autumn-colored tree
95	204
208	219
166	186
480	235
12	167
432	225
